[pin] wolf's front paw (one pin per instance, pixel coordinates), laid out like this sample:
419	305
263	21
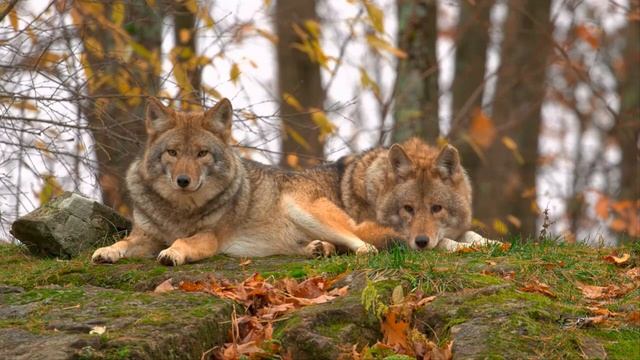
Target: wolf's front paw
319	248
366	249
171	257
106	255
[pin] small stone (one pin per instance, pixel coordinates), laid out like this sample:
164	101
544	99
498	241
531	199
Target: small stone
8	289
69	225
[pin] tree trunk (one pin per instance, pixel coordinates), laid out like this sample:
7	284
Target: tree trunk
416	93
506	183
116	109
472	40
188	75
300	77
627	128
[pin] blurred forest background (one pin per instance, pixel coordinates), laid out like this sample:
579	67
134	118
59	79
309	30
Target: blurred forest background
541	97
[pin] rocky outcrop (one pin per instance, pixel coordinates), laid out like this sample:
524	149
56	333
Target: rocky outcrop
71	309
69	225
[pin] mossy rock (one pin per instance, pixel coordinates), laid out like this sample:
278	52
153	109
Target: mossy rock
69	225
49	306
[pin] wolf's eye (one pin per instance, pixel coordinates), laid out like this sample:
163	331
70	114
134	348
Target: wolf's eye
172	152
408	209
436	208
202	153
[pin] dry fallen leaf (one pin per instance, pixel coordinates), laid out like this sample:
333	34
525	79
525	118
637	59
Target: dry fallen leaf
536	286
633	274
423	348
394	327
98	330
246	262
235	351
189	286
264	303
165	286
505	246
465	250
425	301
633	318
601	311
604	292
621	260
397	297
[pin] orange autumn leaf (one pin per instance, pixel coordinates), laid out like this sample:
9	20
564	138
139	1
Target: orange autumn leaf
466	250
622	206
588	35
618	225
189	286
602	207
536	286
633	318
394	328
617	260
481	130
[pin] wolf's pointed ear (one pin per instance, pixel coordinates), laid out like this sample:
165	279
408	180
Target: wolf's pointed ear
448	161
157	116
400	162
219	118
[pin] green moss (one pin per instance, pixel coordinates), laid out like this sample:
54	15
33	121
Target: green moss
334	328
281	328
619	343
50	296
122	353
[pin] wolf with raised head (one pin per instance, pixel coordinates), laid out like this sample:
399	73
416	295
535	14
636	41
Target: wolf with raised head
194	196
420	192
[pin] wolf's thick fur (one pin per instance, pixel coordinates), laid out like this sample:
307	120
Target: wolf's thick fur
420	192
194	196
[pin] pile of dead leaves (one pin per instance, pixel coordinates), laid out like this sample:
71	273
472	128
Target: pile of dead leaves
399	336
264	302
599	297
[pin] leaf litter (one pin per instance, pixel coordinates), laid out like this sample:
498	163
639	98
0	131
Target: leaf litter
264	303
398	334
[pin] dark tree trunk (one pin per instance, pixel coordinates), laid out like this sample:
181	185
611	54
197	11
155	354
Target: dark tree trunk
300	77
472	40
416	93
505	184
190	74
627	128
115	112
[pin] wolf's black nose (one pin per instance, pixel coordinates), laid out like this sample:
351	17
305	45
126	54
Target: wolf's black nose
183	181
422	241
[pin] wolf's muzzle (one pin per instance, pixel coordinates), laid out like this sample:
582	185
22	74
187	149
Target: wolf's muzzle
183	181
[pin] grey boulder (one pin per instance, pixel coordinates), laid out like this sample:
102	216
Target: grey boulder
69	225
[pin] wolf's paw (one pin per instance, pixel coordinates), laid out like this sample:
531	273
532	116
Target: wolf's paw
366	249
171	257
106	255
319	248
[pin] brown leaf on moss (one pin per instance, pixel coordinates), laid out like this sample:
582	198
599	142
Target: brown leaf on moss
633	318
633	274
165	286
395	327
604	292
505	246
617	260
536	286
